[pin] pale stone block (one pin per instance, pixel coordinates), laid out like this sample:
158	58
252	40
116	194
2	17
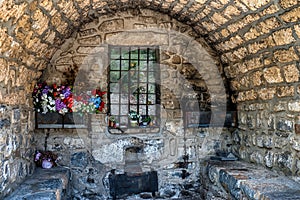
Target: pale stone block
285	91
218	19
256	78
294	106
111	25
255	4
297	30
283	37
271	9
269	159
9	10
280	106
287	3
291	16
39	22
273	75
267	93
291	73
286	55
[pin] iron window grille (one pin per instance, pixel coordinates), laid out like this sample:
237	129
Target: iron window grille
133	78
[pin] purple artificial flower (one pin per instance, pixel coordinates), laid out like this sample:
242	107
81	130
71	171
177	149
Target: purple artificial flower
45	90
59	105
37	156
67	92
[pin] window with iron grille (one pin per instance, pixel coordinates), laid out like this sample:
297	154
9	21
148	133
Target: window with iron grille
134	94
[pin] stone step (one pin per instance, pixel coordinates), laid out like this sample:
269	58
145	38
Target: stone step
244	180
44	184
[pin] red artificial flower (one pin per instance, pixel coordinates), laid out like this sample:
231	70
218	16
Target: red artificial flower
101	106
100	93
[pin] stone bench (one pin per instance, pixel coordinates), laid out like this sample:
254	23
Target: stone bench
241	180
44	184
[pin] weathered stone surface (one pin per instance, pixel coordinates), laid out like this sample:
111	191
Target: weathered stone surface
294	106
287	4
285	91
273	75
79	159
256	78
45	184
286	55
247	95
93	41
111	25
291	16
291	73
283	37
284	125
280	106
243	180
297	29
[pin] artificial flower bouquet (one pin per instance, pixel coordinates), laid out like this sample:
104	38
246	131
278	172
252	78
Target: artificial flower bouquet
62	99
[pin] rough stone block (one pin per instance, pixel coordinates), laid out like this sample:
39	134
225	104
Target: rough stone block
248	181
273	8
79	159
294	106
291	16
285	91
283	37
111	25
256	78
297	29
255	4
273	75
218	19
94	40
44	184
39	21
284	125
291	73
287	3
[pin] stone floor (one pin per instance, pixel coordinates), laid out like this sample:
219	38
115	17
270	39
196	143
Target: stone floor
223	180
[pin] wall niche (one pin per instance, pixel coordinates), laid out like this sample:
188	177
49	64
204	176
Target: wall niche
85	63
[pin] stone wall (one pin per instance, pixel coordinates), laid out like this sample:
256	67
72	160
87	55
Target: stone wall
187	71
264	79
16	143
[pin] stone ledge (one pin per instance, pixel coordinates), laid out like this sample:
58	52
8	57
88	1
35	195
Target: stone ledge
241	180
44	184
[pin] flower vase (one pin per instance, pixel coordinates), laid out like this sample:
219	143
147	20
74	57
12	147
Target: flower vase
145	123
46	164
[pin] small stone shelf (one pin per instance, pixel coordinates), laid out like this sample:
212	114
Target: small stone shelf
56	120
137	130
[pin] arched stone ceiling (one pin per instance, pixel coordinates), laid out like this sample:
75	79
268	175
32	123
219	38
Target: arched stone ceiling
246	34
